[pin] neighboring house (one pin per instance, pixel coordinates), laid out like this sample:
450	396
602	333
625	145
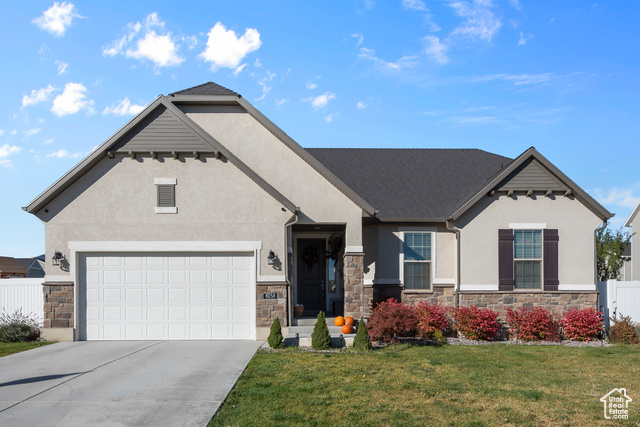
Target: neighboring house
34	266
9	267
632	262
201	219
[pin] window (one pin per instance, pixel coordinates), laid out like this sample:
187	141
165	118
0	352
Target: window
527	254
417	260
166	195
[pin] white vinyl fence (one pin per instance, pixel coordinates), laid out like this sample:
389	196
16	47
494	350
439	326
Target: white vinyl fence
618	298
24	294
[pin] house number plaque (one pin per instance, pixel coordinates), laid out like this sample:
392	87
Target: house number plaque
270	295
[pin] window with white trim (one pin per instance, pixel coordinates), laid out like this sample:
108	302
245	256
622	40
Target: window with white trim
527	259
417	260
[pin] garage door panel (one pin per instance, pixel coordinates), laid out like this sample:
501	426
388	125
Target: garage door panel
176	296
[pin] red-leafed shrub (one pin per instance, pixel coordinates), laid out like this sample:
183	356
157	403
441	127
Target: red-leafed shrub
432	320
582	325
532	324
391	320
623	331
476	323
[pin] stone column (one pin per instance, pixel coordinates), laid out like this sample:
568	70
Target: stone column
58	324
357	297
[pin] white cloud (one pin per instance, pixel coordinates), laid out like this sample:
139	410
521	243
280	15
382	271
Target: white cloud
2	132
329	118
359	38
37	96
368	4
124	108
257	63
265	90
523	40
279	102
143	42
72	99
62	66
238	70
516	4
361	105
57	18
48	141
6	150
517	79
191	41
436	49
414	5
310	85
626	197
13	132
226	49
64	154
6	163
400	64
31	132
480	20
320	101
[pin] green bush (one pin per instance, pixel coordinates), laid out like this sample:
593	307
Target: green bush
361	342
18	327
275	338
623	331
320	338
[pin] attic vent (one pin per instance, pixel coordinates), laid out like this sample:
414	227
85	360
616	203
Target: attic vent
166	196
166	190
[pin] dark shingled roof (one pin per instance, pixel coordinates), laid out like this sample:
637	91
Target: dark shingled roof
412	183
209	88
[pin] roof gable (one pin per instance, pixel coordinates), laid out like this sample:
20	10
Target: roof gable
161	131
531	175
633	215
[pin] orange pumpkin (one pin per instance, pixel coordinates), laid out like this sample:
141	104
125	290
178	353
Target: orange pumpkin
349	321
346	329
339	321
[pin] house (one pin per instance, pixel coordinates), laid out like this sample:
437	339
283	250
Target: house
631	266
201	219
34	266
9	267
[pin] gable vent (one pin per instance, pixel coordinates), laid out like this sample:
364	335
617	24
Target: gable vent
166	196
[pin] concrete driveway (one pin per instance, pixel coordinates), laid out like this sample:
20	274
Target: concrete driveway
120	383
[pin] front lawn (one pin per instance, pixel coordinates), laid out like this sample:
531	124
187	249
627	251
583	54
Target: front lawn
434	385
7	348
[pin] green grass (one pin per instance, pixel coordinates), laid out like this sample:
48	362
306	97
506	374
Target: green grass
431	385
7	348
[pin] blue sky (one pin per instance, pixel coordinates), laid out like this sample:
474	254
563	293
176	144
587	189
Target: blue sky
501	76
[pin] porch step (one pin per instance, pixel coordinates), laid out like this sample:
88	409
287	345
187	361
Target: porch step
311	321
337	340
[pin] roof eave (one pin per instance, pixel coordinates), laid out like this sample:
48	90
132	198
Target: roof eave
633	215
600	210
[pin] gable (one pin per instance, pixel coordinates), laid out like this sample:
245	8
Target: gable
531	175
161	131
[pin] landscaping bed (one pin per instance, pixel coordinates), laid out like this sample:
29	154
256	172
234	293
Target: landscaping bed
434	385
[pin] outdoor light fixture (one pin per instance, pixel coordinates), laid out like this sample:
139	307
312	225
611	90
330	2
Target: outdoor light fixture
272	258
55	260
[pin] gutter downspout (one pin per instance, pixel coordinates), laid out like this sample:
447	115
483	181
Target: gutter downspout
289	244
456	286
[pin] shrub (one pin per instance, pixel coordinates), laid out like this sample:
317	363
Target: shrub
18	327
476	323
361	342
623	331
532	324
432	320
582	325
320	338
275	338
391	320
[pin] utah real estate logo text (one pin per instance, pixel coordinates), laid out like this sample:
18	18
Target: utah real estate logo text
616	404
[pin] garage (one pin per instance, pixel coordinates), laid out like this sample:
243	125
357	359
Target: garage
174	296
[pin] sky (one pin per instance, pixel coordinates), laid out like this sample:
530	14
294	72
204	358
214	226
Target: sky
500	76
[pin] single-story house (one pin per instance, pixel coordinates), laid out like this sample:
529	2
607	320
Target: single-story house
202	219
34	266
9	267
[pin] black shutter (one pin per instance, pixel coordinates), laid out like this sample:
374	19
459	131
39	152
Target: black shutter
550	255
505	260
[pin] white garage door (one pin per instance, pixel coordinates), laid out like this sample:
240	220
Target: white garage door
167	296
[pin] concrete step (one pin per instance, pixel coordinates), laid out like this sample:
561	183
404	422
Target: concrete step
333	330
337	341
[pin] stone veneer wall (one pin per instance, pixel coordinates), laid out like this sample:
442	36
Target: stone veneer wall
268	309
357	297
442	294
58	304
557	302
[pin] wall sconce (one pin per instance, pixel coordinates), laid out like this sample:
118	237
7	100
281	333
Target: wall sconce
55	260
272	258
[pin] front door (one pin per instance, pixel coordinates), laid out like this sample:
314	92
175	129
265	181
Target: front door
311	275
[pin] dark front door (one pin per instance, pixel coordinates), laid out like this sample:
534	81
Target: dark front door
311	275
